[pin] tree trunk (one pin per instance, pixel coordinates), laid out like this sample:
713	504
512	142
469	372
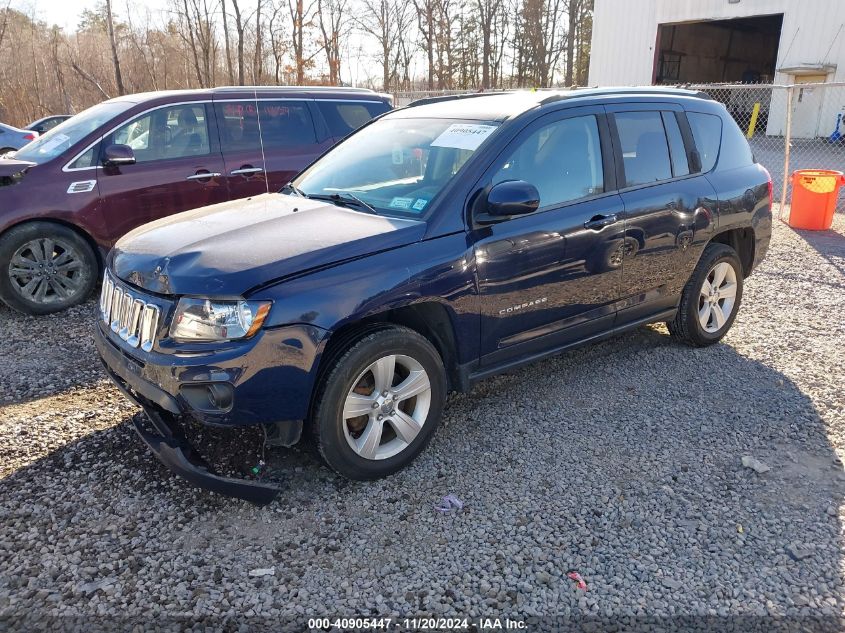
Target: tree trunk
118	78
239	26
574	10
227	45
256	64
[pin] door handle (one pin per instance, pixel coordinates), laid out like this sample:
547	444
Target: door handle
600	221
204	175
245	170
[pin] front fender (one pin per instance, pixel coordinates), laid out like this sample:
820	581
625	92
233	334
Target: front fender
440	270
328	298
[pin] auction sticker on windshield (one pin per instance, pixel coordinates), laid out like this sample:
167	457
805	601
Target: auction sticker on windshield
463	136
53	143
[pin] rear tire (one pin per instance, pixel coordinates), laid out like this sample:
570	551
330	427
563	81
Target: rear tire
45	267
711	299
379	404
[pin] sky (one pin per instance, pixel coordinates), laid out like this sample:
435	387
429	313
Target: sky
65	13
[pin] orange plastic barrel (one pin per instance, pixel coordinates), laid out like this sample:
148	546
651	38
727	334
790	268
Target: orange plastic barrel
814	194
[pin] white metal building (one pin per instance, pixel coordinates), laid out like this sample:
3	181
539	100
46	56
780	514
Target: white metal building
725	41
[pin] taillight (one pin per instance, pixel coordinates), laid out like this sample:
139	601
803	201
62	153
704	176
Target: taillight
29	137
771	187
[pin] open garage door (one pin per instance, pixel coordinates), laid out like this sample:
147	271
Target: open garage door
718	51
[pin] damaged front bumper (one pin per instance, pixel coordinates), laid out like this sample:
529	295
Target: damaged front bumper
169	444
173	450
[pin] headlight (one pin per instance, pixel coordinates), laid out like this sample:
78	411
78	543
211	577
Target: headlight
217	320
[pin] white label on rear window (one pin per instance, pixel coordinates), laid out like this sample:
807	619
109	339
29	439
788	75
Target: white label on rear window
53	143
463	136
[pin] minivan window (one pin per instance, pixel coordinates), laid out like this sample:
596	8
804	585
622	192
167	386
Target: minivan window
286	124
707	134
680	163
238	122
645	153
562	159
165	133
397	166
343	118
63	137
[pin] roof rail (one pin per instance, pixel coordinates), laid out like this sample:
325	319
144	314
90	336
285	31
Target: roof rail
465	95
295	88
678	91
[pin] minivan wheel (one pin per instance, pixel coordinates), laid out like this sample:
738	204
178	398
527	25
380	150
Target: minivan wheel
45	268
710	299
379	405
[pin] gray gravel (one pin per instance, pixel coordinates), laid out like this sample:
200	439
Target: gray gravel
622	461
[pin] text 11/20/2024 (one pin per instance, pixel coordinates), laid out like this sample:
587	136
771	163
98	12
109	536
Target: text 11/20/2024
415	624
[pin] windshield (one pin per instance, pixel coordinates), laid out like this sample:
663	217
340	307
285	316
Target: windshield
395	166
67	134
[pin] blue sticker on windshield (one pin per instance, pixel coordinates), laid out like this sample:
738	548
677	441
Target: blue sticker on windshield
419	205
401	203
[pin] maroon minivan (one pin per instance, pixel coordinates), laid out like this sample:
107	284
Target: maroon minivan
67	197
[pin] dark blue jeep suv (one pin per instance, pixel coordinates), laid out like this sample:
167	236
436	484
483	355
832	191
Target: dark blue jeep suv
440	244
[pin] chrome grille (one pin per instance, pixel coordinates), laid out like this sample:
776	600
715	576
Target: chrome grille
129	315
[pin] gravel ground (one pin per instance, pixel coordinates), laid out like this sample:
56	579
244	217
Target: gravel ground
622	461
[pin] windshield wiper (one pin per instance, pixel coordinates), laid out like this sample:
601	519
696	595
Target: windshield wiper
346	199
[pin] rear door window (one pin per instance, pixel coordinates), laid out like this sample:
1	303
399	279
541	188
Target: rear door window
238	123
707	134
645	151
344	117
286	124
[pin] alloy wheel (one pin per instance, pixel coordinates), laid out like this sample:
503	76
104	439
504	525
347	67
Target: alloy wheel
717	297
46	270
386	407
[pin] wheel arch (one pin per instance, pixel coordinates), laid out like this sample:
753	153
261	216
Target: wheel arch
69	225
429	319
742	240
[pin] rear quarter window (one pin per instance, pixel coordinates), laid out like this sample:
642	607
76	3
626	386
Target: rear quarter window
344	117
707	134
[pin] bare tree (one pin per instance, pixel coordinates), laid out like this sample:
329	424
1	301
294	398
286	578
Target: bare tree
488	14
331	16
225	18
301	16
240	27
257	58
118	78
426	22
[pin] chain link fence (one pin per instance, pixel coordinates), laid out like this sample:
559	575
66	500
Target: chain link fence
789	128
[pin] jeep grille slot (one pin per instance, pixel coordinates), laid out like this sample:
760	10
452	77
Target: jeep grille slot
129	315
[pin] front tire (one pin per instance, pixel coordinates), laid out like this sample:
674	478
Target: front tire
711	298
45	267
379	405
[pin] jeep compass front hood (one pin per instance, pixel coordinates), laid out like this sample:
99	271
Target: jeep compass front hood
229	248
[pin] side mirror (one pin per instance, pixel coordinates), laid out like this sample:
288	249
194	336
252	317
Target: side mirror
509	198
117	155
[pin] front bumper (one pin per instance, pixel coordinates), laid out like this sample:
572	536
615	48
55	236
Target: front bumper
157	387
170	446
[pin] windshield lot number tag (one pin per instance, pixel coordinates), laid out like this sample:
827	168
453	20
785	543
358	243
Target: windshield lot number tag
463	136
